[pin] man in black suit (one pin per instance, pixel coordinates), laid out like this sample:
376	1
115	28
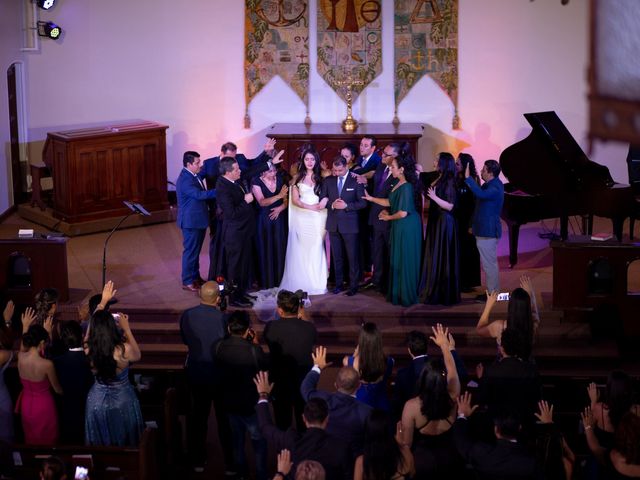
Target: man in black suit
201	328
240	358
238	229
291	340
315	443
347	415
381	186
344	196
507	458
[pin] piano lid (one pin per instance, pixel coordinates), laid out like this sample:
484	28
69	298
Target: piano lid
550	161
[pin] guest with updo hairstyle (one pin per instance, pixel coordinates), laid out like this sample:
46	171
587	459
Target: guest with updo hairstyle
469	255
35	404
53	468
113	411
406	232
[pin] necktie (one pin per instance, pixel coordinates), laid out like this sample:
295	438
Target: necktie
340	181
383	178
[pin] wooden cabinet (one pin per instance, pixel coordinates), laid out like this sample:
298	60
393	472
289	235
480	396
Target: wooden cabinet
95	169
328	138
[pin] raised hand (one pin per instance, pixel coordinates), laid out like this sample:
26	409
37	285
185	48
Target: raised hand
440	336
320	358
359	178
262	383
270	144
48	324
587	419
366	195
284	462
108	292
545	412
27	318
592	390
464	405
526	284
492	297
278	158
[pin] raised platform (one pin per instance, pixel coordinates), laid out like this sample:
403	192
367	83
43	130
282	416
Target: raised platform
46	219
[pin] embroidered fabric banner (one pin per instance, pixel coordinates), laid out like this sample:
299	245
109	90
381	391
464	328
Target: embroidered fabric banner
276	43
349	43
426	42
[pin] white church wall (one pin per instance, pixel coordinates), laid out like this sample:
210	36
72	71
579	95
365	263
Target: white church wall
181	63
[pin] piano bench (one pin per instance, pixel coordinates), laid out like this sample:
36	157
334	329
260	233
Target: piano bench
38	172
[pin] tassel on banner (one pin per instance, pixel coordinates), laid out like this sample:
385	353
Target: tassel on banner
247	119
455	123
396	121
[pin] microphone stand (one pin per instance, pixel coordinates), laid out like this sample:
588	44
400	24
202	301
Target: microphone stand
135	208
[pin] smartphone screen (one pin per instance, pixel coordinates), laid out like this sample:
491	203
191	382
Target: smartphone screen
503	297
82	473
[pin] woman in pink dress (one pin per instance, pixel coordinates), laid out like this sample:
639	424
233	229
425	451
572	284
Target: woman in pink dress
35	404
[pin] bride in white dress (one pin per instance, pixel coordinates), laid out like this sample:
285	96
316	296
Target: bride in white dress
305	266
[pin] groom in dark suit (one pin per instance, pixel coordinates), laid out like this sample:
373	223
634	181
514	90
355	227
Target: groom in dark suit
344	196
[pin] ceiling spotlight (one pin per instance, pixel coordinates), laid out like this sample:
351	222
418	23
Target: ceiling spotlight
49	30
45	4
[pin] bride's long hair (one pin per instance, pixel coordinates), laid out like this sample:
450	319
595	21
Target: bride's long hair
316	174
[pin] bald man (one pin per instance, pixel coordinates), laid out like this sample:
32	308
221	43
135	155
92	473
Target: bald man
347	415
201	327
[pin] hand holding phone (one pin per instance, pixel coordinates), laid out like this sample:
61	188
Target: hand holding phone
82	473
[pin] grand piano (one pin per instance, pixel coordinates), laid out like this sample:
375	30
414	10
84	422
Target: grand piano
550	176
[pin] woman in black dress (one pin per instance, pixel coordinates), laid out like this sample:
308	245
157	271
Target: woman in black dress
440	281
271	193
469	255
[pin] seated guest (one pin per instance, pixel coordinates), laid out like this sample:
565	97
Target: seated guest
511	382
53	468
74	373
427	418
240	358
618	399
372	365
506	459
38	376
522	315
113	414
386	456
347	415
314	444
291	340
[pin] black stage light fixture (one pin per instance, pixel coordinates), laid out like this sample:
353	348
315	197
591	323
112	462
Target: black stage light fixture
49	30
45	4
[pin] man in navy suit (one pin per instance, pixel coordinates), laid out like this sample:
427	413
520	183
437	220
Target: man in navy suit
344	196
347	414
486	220
382	184
193	217
369	159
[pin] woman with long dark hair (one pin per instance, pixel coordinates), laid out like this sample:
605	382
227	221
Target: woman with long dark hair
385	455
617	400
306	261
469	255
440	282
428	417
271	194
38	376
522	314
405	237
113	411
373	366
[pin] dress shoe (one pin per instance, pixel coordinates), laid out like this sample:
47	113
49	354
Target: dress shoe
370	286
240	303
192	287
199	281
337	290
481	298
351	292
249	298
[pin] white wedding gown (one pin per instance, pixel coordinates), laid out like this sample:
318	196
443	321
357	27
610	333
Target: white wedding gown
305	266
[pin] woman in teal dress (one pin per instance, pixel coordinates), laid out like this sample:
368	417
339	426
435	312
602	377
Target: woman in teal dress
406	235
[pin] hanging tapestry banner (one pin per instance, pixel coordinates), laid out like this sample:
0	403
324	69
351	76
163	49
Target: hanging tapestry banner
349	44
276	40
426	43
